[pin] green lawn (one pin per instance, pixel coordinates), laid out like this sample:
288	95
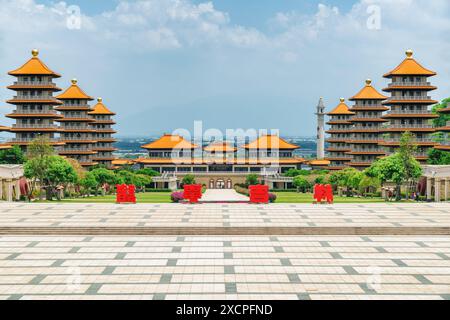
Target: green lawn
164	197
148	197
294	197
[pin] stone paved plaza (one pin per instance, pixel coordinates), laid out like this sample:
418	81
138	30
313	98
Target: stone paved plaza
271	266
224	215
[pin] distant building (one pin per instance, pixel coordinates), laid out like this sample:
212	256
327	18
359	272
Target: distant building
85	134
34	103
340	126
102	126
365	134
76	132
408	104
445	144
320	130
221	165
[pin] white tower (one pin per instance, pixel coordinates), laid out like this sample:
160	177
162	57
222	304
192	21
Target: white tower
320	130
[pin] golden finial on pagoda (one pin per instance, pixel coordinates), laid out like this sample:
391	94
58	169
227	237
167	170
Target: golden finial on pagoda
342	100
74	81
99	100
35	52
369	82
409	53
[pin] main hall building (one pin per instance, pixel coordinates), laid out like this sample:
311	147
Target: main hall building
221	165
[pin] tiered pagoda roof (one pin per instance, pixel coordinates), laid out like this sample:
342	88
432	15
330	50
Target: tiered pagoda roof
220	147
169	141
267	142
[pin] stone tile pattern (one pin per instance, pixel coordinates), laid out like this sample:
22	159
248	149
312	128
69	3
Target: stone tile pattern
219	215
216	267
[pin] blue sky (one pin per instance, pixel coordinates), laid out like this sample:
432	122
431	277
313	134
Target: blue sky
263	64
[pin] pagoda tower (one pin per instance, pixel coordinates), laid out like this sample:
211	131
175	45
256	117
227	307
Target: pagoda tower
102	126
320	130
34	103
339	134
365	132
408	104
445	145
77	134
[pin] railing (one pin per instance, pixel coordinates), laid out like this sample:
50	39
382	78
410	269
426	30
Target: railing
410	84
407	126
76	149
424	111
34	112
359	105
32	139
360	116
412	140
75	104
35	83
410	98
81	116
35	97
31	126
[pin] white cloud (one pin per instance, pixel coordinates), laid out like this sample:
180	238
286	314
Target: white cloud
141	52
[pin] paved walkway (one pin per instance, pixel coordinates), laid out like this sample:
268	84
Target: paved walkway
269	267
224	215
223	195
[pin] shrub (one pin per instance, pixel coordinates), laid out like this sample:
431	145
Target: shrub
177	196
251	180
188	179
272	197
296	172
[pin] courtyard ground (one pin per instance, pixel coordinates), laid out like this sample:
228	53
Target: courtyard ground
175	251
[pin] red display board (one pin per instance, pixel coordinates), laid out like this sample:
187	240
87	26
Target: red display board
192	192
322	193
125	193
259	194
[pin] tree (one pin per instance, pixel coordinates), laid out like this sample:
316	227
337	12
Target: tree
188	179
320	179
301	183
88	182
38	152
59	173
106	177
40	147
369	184
410	164
438	157
443	118
13	155
148	172
51	172
251	180
347	178
392	169
296	172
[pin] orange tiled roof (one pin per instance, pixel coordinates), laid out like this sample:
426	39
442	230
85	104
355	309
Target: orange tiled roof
169	141
3	128
319	162
122	162
228	161
74	92
220	147
341	109
5	146
368	93
445	110
409	66
270	142
100	109
34	66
